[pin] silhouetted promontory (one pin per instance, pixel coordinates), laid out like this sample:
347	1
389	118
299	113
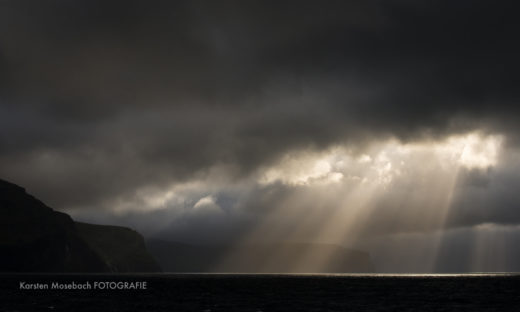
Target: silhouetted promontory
120	248
35	238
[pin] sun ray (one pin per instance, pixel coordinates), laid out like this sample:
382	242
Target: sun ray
336	196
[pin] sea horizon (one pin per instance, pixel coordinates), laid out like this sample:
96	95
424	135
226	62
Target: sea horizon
486	291
450	274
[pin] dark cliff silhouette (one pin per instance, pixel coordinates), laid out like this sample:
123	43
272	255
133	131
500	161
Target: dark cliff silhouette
120	248
35	238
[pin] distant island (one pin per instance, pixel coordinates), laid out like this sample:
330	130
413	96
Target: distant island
36	238
260	258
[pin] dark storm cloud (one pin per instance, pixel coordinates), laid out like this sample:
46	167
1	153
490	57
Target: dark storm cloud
99	98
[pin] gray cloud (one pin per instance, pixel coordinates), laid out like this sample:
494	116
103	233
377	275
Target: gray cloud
100	100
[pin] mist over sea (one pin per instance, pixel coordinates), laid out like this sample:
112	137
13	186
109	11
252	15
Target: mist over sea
264	292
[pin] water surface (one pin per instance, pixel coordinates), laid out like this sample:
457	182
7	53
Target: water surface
268	292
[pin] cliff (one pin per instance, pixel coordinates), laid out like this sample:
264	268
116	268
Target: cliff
35	238
120	248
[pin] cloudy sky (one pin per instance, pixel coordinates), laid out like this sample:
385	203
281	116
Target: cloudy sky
389	126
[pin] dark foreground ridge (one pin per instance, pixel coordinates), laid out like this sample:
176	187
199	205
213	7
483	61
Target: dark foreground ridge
35	238
260	258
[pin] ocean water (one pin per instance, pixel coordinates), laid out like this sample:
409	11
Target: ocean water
262	292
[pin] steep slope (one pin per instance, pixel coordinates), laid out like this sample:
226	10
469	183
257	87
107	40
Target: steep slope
35	238
122	249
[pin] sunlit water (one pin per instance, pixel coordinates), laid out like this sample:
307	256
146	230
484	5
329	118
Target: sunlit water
269	292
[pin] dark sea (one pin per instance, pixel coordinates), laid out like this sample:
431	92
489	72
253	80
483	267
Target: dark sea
261	292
